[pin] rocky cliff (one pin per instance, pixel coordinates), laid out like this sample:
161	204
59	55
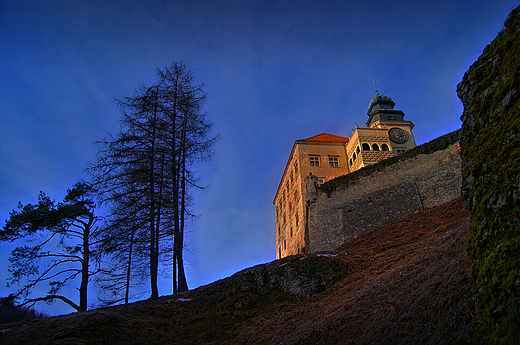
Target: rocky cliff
490	143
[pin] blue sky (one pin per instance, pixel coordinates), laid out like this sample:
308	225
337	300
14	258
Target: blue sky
274	72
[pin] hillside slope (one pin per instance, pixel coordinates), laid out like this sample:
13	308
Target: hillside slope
403	283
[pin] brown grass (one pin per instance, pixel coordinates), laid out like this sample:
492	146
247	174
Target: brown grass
403	283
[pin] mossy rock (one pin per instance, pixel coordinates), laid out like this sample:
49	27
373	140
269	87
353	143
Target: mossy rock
490	150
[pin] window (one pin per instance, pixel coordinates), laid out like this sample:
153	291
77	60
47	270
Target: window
320	182
297	219
315	161
400	151
375	147
333	162
357	150
366	147
385	147
296	167
391	118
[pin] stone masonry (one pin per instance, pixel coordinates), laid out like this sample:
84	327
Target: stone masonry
397	191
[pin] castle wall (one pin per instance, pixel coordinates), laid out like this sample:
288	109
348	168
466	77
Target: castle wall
395	192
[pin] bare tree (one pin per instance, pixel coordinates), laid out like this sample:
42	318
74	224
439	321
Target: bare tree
148	166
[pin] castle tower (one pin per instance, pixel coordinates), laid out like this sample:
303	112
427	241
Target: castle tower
386	134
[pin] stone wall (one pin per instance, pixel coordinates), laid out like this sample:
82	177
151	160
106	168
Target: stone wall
398	190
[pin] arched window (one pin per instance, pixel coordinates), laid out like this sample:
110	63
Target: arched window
366	147
354	156
350	161
375	147
385	147
357	150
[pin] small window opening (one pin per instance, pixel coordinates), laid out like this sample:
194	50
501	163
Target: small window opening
315	161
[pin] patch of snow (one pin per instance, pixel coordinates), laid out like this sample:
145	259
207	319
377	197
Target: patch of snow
179	300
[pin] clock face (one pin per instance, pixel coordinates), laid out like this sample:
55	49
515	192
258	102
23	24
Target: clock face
398	135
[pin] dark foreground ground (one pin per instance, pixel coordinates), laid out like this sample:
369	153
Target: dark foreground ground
404	283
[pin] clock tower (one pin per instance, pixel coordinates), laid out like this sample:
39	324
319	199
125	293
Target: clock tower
381	114
385	134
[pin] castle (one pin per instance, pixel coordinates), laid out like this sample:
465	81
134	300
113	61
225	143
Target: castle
320	158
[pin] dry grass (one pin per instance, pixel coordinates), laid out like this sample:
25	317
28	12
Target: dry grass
404	283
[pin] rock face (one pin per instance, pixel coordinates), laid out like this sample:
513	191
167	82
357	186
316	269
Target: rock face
490	143
296	275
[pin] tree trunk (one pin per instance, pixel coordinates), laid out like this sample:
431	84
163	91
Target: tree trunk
183	285
129	266
175	182
154	260
85	265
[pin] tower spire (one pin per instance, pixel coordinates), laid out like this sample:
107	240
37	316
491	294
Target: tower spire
377	92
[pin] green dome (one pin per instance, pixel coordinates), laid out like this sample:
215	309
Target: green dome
379	98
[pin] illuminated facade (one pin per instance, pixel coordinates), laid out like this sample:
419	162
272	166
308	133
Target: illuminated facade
320	158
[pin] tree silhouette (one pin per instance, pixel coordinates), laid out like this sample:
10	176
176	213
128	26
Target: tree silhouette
65	235
145	172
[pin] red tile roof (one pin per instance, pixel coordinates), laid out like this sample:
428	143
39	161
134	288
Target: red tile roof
326	137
